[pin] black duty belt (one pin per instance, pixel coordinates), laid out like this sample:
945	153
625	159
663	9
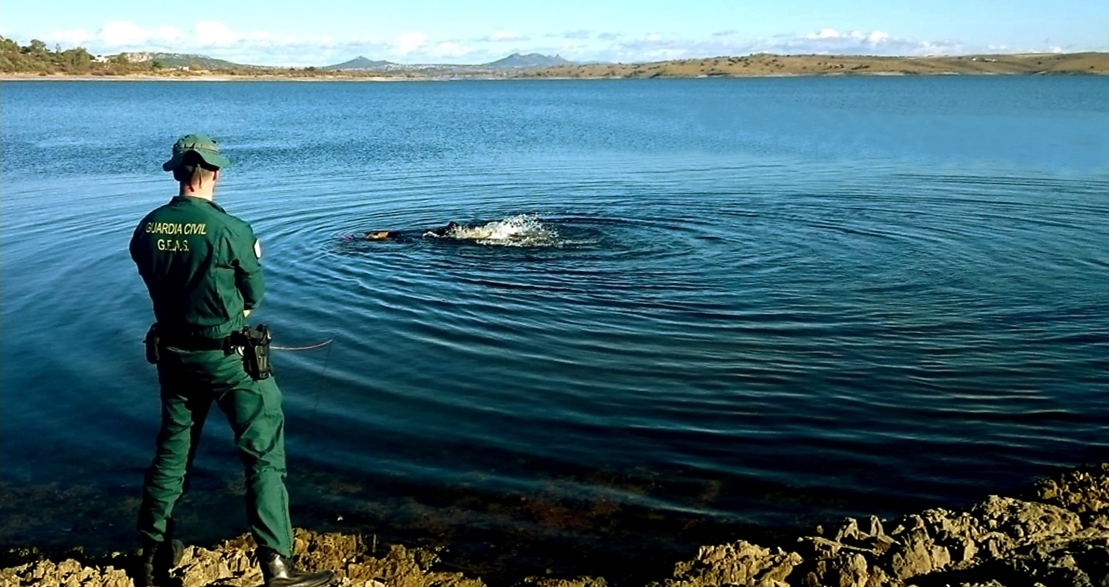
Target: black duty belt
252	344
194	343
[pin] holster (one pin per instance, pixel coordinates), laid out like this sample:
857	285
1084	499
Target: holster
152	342
255	347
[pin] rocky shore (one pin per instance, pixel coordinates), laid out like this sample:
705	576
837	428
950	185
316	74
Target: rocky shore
1055	533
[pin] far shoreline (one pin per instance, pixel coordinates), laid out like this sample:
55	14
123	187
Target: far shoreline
761	65
351	79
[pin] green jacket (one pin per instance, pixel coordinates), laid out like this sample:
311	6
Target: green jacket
200	265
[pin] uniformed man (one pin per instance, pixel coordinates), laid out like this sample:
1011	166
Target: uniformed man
201	267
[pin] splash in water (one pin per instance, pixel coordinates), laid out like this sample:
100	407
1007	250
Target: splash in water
523	230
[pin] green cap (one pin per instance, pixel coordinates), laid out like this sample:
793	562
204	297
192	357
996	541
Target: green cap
202	145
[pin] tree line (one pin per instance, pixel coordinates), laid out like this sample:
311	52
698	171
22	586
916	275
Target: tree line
37	57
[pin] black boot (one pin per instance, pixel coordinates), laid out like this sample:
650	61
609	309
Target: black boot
156	561
144	571
277	571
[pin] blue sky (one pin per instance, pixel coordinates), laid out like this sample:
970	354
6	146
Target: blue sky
425	31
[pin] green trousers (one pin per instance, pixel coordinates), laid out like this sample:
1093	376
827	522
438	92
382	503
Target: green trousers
190	381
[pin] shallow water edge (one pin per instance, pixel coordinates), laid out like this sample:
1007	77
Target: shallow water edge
1056	529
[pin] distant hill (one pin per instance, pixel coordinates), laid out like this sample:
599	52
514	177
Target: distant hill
177	60
359	63
517	61
766	64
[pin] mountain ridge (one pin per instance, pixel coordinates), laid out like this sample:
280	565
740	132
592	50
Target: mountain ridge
181	60
359	63
518	61
513	61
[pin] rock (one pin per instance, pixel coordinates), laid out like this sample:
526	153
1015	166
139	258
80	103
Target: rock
816	548
914	555
1061	541
232	564
1083	490
349	557
874	527
227	565
66	573
846	570
938	542
550	582
964	551
738	563
1025	522
880	544
848	530
1081	562
999	536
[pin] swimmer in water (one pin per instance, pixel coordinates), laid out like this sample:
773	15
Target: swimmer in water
381	235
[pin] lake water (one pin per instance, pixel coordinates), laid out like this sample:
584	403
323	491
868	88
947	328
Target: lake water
686	310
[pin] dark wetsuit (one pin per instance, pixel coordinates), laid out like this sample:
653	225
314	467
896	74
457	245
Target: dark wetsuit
380	235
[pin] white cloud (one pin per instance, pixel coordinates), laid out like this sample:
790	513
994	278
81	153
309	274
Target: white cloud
831	41
827	41
505	36
169	35
876	37
409	42
215	34
122	33
261	47
450	50
72	37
